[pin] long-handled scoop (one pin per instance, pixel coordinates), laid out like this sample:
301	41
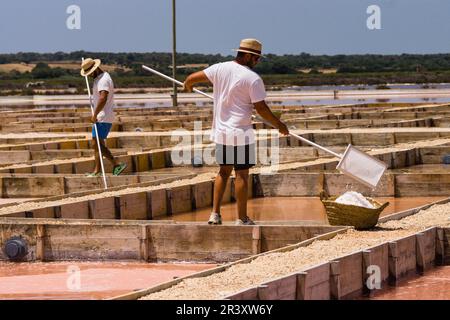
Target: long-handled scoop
354	162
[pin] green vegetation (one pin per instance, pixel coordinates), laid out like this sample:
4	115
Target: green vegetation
303	69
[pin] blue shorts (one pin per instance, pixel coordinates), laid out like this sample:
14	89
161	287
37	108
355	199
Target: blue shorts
103	129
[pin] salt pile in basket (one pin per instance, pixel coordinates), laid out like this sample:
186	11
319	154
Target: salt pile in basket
355	199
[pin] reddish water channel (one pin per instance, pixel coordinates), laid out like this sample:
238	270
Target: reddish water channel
295	208
434	285
85	280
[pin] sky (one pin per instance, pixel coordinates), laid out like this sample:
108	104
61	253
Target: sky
216	26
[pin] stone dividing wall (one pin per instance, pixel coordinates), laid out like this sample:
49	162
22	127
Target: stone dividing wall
50	240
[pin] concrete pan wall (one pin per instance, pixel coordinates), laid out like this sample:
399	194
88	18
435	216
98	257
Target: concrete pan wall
132	206
44	185
135	163
349	276
87	240
74	196
391	185
135	295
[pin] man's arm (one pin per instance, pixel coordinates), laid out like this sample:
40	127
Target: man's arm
100	105
194	78
265	112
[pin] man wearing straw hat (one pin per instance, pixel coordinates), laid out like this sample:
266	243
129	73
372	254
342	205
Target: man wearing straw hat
103	117
237	90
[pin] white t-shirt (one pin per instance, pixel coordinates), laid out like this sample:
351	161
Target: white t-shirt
236	88
104	83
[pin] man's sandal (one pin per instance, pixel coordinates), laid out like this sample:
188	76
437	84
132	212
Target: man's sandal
119	169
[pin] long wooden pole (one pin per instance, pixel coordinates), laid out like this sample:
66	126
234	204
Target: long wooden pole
174	52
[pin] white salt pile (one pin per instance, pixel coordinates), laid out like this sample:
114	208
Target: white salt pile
355	199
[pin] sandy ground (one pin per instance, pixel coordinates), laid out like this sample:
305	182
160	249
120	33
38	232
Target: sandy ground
266	267
43	163
48	135
72	160
375	151
204	177
206	133
271	266
193	97
29	206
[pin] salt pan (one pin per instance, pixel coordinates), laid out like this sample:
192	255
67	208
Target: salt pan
355	199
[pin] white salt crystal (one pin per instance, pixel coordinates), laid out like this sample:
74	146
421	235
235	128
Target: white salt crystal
355	199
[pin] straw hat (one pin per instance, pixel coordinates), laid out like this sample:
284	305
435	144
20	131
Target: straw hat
89	65
252	46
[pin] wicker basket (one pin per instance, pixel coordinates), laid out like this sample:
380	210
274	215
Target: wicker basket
348	215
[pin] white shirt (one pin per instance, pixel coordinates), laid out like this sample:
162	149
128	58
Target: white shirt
104	83
236	88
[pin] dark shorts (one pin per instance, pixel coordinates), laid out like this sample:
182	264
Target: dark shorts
241	157
103	129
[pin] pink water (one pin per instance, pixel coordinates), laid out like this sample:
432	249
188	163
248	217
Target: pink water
295	208
95	280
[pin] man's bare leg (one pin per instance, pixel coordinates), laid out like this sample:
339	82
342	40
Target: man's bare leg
241	189
105	152
97	167
220	185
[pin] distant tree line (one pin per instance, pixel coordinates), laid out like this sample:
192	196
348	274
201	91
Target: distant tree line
276	70
271	64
